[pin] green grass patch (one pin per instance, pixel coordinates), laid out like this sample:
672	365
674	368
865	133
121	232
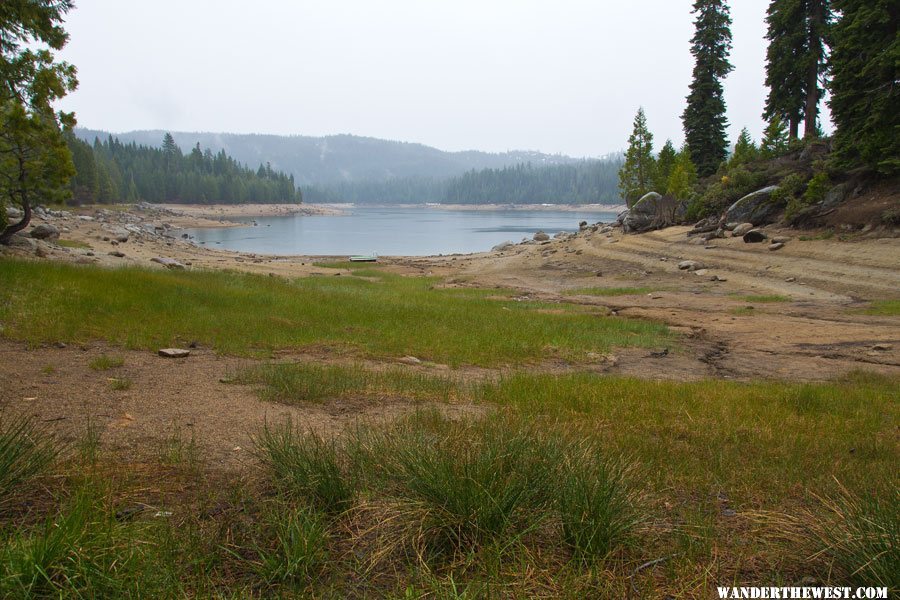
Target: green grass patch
72	244
743	311
346	264
120	384
248	314
105	363
884	308
615	291
762	298
307	382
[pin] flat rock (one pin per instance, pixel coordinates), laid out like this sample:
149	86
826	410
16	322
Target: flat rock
174	352
741	229
780	239
690	265
777	246
410	360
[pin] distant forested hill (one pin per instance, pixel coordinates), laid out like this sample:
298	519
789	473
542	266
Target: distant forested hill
338	158
111	171
586	182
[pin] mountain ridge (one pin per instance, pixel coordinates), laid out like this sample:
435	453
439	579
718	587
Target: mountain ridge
340	158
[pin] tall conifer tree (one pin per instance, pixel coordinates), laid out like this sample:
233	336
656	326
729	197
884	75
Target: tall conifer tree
636	175
785	76
865	96
704	117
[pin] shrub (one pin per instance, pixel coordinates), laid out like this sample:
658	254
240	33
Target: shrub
308	466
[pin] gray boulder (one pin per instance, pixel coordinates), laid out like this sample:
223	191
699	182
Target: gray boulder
45	231
644	215
756	207
540	236
13	213
690	265
120	234
502	247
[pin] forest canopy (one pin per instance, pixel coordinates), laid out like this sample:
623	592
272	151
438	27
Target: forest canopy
110	171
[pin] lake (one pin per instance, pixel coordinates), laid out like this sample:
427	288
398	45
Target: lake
393	231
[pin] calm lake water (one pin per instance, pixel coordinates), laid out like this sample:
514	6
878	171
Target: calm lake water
393	231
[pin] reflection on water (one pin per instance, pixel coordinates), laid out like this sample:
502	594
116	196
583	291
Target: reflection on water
393	231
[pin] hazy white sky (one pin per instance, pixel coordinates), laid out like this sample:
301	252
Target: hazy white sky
552	75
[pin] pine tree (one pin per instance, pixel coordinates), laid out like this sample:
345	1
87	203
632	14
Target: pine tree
636	175
865	97
818	22
665	162
775	139
744	150
785	76
704	117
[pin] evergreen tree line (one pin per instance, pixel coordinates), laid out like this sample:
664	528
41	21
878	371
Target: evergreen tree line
848	47
587	182
110	171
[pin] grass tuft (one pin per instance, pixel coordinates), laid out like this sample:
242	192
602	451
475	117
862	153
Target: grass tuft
762	298
309	467
861	535
884	308
295	550
105	363
25	452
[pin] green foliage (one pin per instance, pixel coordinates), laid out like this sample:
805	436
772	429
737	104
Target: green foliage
791	191
309	467
775	139
25	451
732	186
796	62
745	150
665	164
639	169
816	189
865	103
683	176
249	314
704	117
886	308
35	164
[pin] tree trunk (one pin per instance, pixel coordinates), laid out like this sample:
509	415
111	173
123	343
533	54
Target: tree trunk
794	129
816	27
7	233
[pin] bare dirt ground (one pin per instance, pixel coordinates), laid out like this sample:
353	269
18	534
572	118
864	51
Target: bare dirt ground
819	333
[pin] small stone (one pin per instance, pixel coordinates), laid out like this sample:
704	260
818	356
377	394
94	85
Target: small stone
701	272
117	254
791	279
882	347
690	265
410	360
728	512
781	239
777	246
174	352
169	263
